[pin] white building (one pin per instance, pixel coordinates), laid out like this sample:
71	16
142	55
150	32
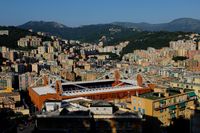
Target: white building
4	32
41	50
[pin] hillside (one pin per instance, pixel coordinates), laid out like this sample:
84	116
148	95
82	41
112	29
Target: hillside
157	40
113	33
15	34
91	33
88	33
181	24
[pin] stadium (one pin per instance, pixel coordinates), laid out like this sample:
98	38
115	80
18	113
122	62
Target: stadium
108	89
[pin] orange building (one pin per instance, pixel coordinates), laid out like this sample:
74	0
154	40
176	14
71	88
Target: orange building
98	89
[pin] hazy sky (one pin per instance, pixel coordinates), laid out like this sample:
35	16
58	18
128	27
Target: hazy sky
82	12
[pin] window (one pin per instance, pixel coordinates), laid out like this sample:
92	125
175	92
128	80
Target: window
139	102
134	108
139	109
134	100
143	110
174	100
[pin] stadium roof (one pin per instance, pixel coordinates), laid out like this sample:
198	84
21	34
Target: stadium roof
44	90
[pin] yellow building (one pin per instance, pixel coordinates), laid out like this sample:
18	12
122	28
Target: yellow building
102	57
165	104
8	100
6	90
87	66
195	86
89	76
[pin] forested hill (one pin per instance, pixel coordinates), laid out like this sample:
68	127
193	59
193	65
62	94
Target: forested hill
157	40
15	34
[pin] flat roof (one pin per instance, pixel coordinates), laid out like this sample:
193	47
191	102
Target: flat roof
9	94
151	95
185	83
44	90
88	87
155	95
76	99
100	103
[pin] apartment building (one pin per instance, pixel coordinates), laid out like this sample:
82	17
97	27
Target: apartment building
5	80
29	41
41	50
86	115
165	103
25	80
183	44
13	55
194	84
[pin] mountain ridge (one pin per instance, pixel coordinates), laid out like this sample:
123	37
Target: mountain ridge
180	24
61	30
41	22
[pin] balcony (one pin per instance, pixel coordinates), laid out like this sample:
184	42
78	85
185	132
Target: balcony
172	107
191	94
172	115
181	104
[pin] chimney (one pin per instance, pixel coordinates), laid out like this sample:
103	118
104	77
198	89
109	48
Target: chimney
45	80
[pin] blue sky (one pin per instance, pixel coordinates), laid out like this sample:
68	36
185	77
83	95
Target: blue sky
82	12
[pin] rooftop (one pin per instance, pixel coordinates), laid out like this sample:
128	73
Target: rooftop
88	87
97	86
74	109
99	90
5	94
44	90
101	103
160	95
152	95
